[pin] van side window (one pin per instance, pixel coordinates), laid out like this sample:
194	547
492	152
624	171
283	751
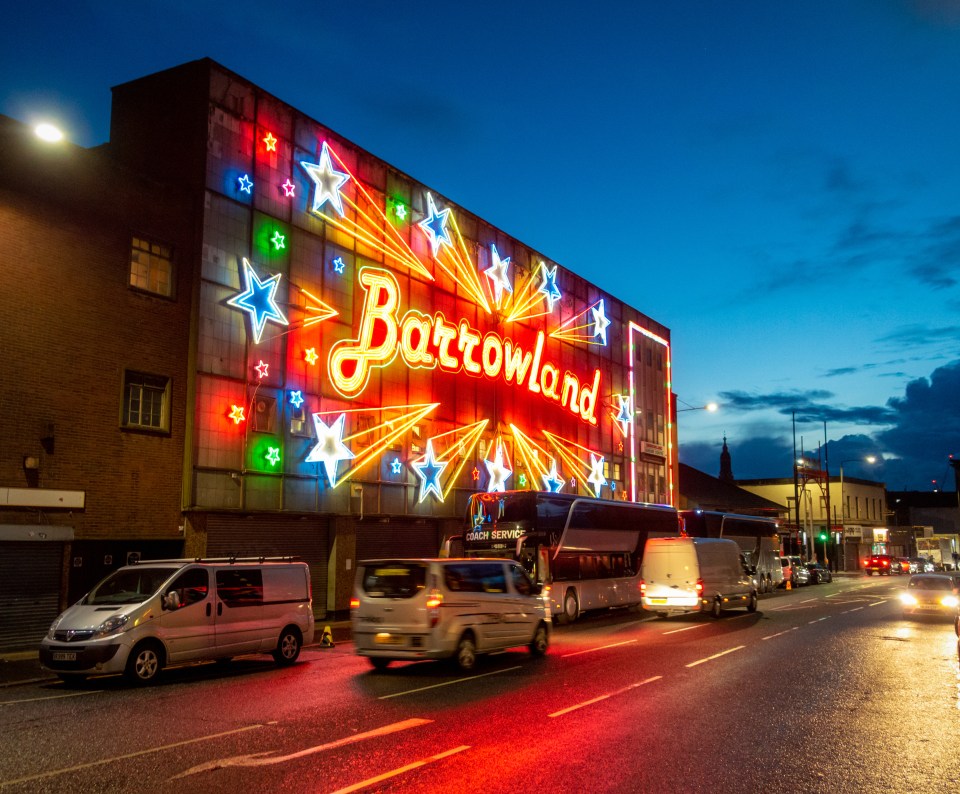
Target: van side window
240	588
191	586
475	577
521	582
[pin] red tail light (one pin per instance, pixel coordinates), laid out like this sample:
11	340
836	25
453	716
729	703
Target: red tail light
434	600
643	588
699	586
354	602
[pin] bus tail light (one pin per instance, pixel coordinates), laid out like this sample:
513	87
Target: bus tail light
434	600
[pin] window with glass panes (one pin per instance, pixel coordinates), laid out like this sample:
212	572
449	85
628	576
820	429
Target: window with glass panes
151	267
146	401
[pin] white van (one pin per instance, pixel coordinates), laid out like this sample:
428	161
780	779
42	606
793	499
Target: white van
411	609
685	574
144	617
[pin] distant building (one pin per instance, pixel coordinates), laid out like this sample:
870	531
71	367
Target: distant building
698	490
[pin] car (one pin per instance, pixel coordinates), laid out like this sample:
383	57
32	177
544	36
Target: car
931	594
880	564
819	573
904	564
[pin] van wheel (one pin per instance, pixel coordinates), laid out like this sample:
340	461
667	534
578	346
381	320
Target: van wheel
466	656
571	609
752	603
716	609
145	663
379	663
538	645
288	646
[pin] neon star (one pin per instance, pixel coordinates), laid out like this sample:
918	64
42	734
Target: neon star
279	241
401	211
271	142
327	181
262	368
435	225
552	481
246	184
296	399
600	322
624	414
396	467
339	264
549	286
497	273
429	470
310	355
475	474
596	478
522	479
273	455
236	414
259	300
498	472
288	188
330	449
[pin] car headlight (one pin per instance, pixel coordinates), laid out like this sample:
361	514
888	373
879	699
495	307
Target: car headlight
908	599
950	601
112	625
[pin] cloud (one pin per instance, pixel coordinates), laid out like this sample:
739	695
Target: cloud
753	458
808	406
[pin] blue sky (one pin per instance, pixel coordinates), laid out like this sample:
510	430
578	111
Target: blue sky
777	183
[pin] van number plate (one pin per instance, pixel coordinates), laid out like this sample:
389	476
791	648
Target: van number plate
388	639
64	656
658	601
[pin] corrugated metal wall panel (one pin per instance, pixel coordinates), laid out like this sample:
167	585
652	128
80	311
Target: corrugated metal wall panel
397	538
274	536
29	592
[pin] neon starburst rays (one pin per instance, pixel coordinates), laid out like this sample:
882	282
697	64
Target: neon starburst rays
455	446
588	326
332	446
368	224
540	287
533	455
259	300
569	451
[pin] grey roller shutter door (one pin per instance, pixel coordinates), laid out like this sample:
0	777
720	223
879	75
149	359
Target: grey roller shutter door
376	540
29	592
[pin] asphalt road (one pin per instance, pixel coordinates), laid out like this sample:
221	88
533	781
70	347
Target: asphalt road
824	689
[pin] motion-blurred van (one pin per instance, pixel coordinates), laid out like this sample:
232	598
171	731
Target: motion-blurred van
413	609
156	613
684	574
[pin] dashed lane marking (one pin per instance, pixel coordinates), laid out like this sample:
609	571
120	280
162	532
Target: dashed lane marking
604	697
780	633
409	767
447	683
716	656
599	648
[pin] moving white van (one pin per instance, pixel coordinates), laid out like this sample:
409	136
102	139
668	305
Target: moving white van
686	574
411	609
156	613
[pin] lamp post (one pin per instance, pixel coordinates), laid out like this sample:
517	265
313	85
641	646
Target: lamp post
843	502
711	407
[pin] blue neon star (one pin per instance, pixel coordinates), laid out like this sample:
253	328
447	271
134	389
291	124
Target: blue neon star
549	286
259	300
246	184
429	471
435	225
327	181
339	264
625	415
396	466
296	398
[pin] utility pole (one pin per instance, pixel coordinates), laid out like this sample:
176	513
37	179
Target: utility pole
796	482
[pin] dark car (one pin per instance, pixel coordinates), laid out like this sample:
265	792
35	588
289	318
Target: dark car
881	564
819	573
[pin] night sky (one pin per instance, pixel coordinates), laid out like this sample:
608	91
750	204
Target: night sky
777	183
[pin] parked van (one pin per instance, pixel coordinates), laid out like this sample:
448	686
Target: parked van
694	574
156	613
412	609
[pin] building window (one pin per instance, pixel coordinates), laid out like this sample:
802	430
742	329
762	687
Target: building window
151	267
146	401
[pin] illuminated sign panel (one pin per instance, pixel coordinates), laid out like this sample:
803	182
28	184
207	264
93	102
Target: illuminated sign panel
404	342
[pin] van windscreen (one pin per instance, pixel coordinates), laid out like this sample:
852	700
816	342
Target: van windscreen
394	579
128	586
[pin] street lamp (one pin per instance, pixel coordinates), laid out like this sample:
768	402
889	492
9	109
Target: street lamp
711	407
843	502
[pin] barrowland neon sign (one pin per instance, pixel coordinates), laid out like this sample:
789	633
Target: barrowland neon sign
433	342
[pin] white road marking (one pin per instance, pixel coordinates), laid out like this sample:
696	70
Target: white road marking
825	617
263	759
51	697
601	648
415	765
447	683
685	628
716	656
855	609
138	753
877	603
604	697
780	633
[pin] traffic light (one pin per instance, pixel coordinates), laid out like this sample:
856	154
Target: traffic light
823	536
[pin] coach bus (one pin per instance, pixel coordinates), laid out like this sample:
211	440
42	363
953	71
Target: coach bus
757	537
586	551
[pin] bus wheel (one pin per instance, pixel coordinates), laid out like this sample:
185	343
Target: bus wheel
571	609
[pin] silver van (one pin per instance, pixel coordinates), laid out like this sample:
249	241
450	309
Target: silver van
144	617
409	609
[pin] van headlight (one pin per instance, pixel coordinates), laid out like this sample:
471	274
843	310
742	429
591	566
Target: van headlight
908	599
950	601
53	627
112	625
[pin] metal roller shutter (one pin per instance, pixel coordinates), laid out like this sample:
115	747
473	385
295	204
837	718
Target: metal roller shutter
274	536
400	538
29	592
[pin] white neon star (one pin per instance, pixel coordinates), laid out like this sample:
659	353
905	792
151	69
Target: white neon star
552	481
549	286
327	181
600	322
596	478
330	449
497	273
498	472
296	398
624	414
273	455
